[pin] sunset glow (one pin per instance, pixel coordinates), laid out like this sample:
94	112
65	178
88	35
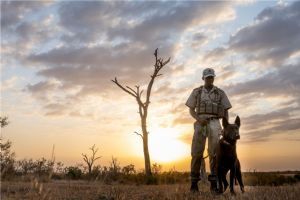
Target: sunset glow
165	147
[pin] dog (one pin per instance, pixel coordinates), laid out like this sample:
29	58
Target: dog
226	156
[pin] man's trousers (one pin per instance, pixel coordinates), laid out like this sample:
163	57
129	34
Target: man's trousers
212	131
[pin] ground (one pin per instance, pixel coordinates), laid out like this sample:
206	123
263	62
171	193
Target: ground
72	190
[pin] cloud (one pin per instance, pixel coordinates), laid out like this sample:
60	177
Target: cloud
284	81
260	120
13	12
9	83
25	27
199	39
263	134
41	86
110	39
216	53
55	109
92	68
270	40
136	21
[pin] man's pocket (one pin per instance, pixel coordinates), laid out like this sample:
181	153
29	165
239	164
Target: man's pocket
198	143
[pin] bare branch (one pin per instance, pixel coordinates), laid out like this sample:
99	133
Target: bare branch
131	90
141	92
137	90
159	64
167	61
97	158
118	84
155	52
139	134
85	156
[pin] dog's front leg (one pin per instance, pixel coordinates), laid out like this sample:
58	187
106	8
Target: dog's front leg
220	181
232	176
225	181
239	176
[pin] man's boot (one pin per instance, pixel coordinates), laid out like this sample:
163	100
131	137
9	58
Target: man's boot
213	183
194	186
214	187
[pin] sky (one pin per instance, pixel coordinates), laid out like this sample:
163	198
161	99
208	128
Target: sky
58	59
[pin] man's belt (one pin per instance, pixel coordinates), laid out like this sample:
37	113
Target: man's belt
212	118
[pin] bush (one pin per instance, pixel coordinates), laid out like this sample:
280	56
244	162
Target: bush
26	166
7	160
95	173
43	167
128	169
74	173
267	178
297	176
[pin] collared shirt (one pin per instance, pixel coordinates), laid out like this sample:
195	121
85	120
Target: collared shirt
206	96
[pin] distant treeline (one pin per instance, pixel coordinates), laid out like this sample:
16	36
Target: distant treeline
46	170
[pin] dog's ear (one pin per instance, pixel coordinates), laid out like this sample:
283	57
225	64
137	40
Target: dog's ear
237	121
224	122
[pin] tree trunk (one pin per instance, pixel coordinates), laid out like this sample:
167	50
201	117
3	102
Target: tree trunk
90	169
146	149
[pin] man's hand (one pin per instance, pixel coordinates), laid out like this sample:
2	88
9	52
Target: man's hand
203	122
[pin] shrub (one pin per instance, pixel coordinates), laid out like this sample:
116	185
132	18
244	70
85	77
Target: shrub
73	173
7	160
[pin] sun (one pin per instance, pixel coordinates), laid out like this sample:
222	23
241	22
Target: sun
164	145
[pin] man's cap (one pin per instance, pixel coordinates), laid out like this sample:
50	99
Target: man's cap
208	72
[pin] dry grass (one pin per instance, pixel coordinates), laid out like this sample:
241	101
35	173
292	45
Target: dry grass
99	191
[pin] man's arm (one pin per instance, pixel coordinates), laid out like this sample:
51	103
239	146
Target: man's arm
192	103
226	114
194	114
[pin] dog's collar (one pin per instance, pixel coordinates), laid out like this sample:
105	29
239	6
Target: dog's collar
226	142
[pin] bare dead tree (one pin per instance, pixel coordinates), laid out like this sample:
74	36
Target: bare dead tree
114	165
143	105
91	160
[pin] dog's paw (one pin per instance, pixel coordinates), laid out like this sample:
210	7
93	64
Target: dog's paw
225	187
242	189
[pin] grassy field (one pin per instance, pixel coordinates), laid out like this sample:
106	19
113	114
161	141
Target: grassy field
99	191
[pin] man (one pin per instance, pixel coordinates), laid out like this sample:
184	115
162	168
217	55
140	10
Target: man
207	104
